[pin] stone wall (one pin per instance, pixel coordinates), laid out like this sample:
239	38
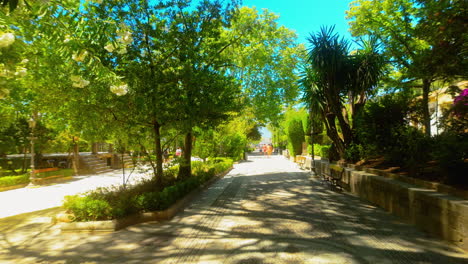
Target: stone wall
439	214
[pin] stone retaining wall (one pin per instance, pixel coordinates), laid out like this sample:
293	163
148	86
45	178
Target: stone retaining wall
439	214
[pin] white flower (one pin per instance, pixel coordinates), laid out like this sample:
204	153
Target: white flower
78	81
126	38
110	47
67	39
21	72
80	56
119	90
6	39
24	61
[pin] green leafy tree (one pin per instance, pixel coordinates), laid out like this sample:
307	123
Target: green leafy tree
263	57
207	92
425	40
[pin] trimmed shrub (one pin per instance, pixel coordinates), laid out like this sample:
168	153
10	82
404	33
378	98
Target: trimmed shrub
13	180
295	137
86	208
118	202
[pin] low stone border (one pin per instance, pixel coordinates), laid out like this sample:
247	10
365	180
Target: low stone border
442	215
117	224
439	187
52	179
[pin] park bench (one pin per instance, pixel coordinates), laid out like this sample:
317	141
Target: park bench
334	174
301	160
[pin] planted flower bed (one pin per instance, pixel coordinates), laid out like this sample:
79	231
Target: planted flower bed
134	201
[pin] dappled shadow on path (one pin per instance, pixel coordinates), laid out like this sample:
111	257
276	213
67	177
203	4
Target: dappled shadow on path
270	218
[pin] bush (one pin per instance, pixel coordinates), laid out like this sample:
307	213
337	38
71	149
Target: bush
117	202
295	137
380	125
86	208
451	152
13	180
354	152
321	150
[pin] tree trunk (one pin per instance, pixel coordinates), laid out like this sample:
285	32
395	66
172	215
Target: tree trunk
337	108
76	157
345	129
185	168
94	148
333	135
425	102
159	158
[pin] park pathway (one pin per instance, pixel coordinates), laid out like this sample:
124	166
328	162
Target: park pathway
265	210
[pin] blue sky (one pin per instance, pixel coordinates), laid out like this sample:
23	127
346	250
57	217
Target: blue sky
305	17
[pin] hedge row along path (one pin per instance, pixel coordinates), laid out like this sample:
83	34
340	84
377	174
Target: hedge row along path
265	210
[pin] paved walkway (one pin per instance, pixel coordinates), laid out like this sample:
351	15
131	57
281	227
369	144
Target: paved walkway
30	199
266	210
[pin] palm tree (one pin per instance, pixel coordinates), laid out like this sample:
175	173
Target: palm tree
333	76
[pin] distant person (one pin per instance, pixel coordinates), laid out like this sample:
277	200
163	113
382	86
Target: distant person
264	149
178	152
269	149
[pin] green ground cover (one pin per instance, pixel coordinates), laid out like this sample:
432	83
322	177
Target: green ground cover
119	201
11	180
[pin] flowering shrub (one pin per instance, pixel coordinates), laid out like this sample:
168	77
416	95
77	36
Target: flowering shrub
460	103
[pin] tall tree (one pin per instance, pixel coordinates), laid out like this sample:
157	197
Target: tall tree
333	75
264	59
207	93
424	39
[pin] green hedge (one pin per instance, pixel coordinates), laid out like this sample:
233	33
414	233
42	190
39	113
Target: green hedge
14	180
117	202
321	150
295	137
6	181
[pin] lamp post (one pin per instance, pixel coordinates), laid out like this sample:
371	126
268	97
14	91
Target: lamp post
32	176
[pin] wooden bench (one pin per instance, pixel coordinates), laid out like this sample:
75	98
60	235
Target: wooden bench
301	161
334	174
